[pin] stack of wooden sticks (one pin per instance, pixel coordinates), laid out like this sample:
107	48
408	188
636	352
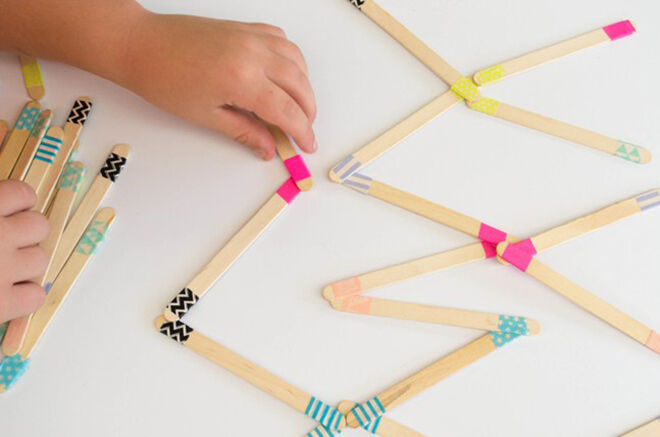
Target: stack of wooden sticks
41	154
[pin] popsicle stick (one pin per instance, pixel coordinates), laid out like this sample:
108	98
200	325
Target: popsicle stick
67	278
234	248
411	269
651	429
392	137
248	371
553	52
34	83
621	149
3	132
578	295
292	160
72	129
17	138
59	214
436	314
408	40
44	157
90	203
31	145
369	411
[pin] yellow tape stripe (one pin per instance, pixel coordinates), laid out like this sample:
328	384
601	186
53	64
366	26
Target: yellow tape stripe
485	105
464	88
490	74
32	75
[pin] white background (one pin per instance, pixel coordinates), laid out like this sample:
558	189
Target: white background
103	370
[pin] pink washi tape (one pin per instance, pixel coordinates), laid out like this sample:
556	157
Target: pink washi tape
520	254
297	168
489	249
356	304
491	234
619	30
289	190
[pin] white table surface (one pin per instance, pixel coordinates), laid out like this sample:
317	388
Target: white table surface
103	370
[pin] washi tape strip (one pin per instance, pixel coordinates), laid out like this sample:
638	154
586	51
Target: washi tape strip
520	254
491	234
502	338
297	168
513	325
346	167
288	191
80	111
73	176
629	152
28	117
490	74
619	30
328	416
368	412
485	105
11	369
94	235
113	166
177	331
345	288
321	431
48	149
465	89
182	302
649	200
357	3
359	182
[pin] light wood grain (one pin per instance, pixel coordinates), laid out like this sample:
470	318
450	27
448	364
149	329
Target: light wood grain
33	81
82	216
431	375
65	282
15	142
387	427
651	429
3	132
27	154
37	174
234	248
285	150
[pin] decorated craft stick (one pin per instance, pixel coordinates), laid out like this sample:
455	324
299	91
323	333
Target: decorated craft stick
17	138
520	256
57	218
252	373
224	259
393	136
553	52
44	157
368	412
411	269
3	132
72	128
292	160
435	314
55	297
408	40
107	176
651	429
34	83
622	149
32	144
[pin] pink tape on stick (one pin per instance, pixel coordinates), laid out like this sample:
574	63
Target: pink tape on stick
653	342
289	190
489	249
619	30
491	234
520	254
297	168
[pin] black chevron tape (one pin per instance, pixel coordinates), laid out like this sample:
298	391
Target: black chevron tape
177	331
182	302
79	112
357	3
113	166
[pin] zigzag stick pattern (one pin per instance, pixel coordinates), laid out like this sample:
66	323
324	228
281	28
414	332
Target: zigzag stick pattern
182	302
177	331
79	112
113	166
357	3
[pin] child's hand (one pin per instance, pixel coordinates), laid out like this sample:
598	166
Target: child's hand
216	73
20	258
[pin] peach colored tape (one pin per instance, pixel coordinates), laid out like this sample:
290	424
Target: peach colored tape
347	287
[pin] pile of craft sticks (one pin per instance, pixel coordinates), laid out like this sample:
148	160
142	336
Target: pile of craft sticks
40	153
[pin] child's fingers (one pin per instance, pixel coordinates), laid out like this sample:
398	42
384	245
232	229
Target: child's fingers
267	28
27	228
291	79
15	196
243	128
277	107
30	263
289	50
21	300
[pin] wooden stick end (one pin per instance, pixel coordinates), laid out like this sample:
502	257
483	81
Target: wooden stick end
305	184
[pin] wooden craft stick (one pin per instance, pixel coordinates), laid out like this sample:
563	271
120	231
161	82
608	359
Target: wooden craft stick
392	137
84	252
34	83
72	129
526	262
90	203
44	157
621	149
651	429
3	132
389	275
30	149
435	314
292	160
408	40
250	372
234	248
17	138
553	52
57	218
369	411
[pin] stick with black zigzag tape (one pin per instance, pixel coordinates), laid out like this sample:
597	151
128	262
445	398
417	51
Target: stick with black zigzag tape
331	419
72	129
88	206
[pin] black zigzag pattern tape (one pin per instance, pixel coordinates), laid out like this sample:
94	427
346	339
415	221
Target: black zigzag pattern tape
177	331
113	166
357	3
79	112
182	302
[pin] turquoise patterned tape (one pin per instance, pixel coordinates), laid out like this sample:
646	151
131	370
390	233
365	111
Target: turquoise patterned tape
513	325
502	338
28	118
11	369
368	412
329	417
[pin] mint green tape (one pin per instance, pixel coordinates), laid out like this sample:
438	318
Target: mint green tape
73	176
92	238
